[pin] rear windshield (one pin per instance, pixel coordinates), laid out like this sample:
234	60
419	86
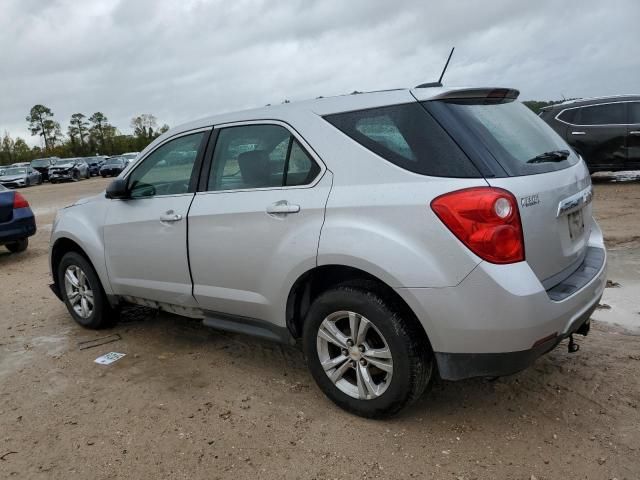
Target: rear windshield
407	136
513	134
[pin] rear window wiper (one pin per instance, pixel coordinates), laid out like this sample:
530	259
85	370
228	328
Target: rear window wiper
552	156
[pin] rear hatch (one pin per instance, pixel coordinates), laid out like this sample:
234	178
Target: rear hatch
519	152
6	205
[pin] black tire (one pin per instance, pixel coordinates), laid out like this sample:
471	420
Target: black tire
413	361
27	183
19	246
102	316
53	182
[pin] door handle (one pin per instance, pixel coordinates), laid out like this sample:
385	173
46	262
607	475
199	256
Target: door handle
170	217
282	208
578	133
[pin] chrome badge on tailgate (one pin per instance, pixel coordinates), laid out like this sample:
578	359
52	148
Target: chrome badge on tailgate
575	202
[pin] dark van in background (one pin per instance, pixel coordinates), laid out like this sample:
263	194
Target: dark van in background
604	130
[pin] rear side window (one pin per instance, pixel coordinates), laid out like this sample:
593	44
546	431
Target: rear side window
407	136
606	114
634	112
259	156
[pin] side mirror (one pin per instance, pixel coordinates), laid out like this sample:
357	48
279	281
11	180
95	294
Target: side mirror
117	189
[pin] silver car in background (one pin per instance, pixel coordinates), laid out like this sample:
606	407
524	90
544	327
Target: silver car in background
20	176
394	235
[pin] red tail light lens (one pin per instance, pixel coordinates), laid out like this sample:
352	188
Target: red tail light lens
19	201
486	220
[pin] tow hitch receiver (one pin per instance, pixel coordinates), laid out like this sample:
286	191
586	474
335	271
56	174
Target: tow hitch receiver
573	346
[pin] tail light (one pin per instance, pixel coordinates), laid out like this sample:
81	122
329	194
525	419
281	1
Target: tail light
19	201
486	220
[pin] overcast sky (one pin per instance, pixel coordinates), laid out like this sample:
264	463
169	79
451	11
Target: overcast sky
185	59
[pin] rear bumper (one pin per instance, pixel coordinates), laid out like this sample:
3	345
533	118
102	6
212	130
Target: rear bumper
22	226
500	318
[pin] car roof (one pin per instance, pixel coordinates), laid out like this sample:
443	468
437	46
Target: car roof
329	105
579	102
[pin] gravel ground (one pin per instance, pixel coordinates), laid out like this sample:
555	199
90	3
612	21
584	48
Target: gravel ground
190	402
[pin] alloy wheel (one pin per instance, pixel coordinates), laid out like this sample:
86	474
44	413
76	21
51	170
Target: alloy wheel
79	291
354	355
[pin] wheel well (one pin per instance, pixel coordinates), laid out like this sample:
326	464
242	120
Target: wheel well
318	280
60	248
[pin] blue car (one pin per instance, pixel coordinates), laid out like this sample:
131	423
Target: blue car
17	222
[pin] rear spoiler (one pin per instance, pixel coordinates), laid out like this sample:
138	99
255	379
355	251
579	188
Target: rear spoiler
495	94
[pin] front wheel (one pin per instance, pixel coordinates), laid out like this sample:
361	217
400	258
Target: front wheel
365	355
83	294
19	246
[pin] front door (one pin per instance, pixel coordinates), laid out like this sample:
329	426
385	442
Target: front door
256	227
146	235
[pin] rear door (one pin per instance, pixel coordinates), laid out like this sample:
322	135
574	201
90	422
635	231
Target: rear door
598	133
146	235
633	136
255	227
553	191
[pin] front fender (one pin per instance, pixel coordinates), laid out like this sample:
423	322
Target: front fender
83	225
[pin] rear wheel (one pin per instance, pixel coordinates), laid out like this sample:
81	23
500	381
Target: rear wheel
19	246
83	294
363	353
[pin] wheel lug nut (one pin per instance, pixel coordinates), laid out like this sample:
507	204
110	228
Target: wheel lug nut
363	362
361	348
345	352
350	343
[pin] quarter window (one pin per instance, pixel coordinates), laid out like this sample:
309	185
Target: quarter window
407	136
168	169
259	156
568	115
605	114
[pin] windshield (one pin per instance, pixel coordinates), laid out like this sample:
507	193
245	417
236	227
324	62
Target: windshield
15	171
514	135
66	162
40	162
115	161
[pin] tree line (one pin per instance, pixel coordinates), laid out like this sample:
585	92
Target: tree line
85	136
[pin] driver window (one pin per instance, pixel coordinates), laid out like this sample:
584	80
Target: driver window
166	171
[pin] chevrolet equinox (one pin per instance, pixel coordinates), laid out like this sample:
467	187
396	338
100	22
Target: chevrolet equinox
394	235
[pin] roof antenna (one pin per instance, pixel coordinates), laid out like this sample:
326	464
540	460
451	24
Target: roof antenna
439	82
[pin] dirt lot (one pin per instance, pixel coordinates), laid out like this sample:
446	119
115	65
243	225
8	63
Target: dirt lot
190	402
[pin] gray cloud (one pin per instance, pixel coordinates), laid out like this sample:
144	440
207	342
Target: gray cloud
187	59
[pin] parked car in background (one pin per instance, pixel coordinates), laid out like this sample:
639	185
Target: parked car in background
17	222
20	164
95	163
396	234
42	165
130	156
605	131
14	177
68	169
113	166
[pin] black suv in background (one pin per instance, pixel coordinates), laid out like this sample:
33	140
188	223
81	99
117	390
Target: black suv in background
604	130
95	163
42	165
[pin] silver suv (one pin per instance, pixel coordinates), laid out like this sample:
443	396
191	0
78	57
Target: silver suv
394	235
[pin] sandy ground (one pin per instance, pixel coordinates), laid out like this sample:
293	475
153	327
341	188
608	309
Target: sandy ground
190	402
